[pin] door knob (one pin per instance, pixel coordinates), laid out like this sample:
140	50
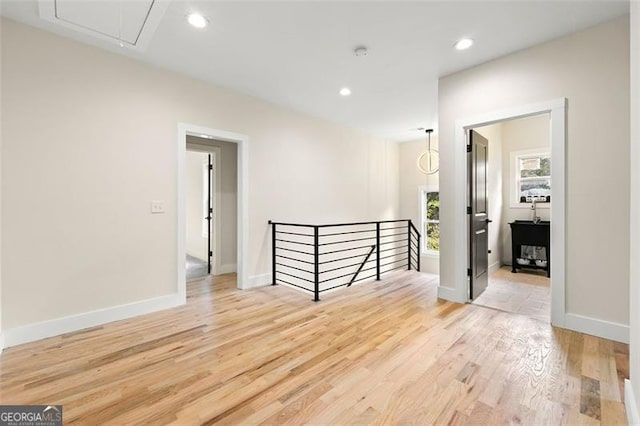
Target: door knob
488	220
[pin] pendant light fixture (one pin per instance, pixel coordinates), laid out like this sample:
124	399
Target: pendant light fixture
429	160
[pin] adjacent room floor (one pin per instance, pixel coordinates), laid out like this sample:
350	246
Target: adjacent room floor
387	352
196	268
527	292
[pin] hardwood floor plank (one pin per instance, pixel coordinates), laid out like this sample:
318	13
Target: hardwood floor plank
590	398
385	352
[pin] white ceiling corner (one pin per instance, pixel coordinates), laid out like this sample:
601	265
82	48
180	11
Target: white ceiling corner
132	23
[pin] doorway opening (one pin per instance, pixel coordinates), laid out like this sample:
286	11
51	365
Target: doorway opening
201	214
509	172
211	199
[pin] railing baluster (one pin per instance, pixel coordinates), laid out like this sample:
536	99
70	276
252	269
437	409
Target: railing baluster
378	251
418	250
409	244
273	253
316	261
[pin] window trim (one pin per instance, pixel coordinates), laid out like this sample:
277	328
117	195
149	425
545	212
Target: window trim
514	179
422	191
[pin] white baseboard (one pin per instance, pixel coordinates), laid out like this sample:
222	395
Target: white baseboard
494	267
259	281
630	404
1	342
451	294
596	327
228	268
32	332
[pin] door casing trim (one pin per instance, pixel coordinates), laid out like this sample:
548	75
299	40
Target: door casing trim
242	141
556	109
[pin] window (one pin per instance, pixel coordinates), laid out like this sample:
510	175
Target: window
531	176
430	206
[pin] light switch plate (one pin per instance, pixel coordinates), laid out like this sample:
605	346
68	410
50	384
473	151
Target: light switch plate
157	206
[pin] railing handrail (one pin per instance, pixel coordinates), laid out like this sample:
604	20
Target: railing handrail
330	225
409	238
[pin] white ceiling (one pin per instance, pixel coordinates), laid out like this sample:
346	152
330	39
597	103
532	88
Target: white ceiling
299	54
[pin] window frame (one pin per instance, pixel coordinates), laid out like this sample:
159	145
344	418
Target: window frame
422	198
515	177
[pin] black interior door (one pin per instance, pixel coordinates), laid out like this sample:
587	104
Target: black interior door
209	215
479	219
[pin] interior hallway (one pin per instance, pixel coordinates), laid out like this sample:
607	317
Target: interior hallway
526	292
383	352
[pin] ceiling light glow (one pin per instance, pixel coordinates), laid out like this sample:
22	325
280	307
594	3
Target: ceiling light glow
197	20
463	44
345	91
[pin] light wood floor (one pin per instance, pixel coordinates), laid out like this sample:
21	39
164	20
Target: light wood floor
525	292
378	353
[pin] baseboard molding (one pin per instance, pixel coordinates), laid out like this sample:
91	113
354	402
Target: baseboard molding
259	281
450	294
494	267
630	404
229	268
596	327
41	330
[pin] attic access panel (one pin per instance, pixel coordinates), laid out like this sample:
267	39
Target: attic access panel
131	23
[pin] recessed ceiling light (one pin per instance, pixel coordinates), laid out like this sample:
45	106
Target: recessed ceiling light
463	44
197	20
345	91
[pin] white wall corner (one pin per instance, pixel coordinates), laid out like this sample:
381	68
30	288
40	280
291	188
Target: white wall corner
597	327
451	294
259	281
1	342
41	330
630	404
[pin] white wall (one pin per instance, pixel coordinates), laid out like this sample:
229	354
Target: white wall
521	135
493	133
411	178
93	117
227	198
196	243
591	69
634	251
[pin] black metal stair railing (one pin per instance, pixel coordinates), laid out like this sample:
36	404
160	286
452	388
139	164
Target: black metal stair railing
319	258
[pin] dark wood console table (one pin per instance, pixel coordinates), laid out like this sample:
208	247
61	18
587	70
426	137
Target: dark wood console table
527	233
